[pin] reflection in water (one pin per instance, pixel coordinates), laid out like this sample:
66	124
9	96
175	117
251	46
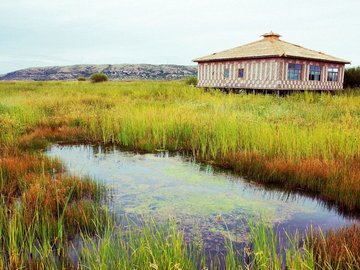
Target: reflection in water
201	198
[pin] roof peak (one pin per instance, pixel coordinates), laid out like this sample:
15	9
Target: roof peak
271	35
270	46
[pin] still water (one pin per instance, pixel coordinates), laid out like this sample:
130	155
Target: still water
199	197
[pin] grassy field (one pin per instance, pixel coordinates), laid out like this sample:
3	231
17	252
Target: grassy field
308	142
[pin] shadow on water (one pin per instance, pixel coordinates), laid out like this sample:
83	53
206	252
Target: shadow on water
209	203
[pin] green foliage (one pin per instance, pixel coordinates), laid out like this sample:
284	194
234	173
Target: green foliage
98	77
147	246
352	77
192	81
81	79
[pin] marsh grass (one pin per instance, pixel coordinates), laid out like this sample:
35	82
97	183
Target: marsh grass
337	249
308	141
161	246
146	246
304	141
45	241
40	210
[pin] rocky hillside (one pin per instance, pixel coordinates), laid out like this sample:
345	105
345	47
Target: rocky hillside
114	72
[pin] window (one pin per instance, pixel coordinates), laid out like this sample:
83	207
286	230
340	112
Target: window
315	73
294	71
333	74
240	73
226	73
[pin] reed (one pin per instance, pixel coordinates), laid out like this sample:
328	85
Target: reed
146	246
154	246
46	243
41	210
337	249
308	139
305	141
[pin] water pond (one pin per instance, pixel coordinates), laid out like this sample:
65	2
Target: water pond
203	199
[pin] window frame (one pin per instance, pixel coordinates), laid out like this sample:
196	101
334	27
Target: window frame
242	73
332	75
293	71
314	72
226	73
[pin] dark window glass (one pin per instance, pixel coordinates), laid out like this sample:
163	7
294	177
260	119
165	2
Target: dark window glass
241	73
294	71
333	74
315	73
226	73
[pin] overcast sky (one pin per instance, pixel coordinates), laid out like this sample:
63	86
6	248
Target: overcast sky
64	32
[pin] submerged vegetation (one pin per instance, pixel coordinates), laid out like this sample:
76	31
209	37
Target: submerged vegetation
304	141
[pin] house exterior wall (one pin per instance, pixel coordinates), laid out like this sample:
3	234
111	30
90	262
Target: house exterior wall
305	83
269	73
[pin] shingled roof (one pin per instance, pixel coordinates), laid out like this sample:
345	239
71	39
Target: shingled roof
270	46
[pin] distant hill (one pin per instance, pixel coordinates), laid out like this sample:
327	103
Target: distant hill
114	72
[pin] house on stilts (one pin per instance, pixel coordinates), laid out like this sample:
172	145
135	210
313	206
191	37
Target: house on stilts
271	64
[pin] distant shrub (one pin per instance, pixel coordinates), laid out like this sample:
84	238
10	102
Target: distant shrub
352	77
191	81
81	79
98	77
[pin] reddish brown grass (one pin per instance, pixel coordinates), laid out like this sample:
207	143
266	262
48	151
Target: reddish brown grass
42	135
334	181
41	187
49	195
340	249
15	171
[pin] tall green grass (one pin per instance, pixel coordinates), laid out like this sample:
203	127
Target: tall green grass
111	247
154	246
146	246
172	115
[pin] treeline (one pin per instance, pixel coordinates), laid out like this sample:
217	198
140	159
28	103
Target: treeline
352	77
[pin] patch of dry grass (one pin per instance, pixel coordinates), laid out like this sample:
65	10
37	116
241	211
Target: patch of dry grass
338	249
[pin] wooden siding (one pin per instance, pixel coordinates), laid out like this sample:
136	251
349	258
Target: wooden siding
270	73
